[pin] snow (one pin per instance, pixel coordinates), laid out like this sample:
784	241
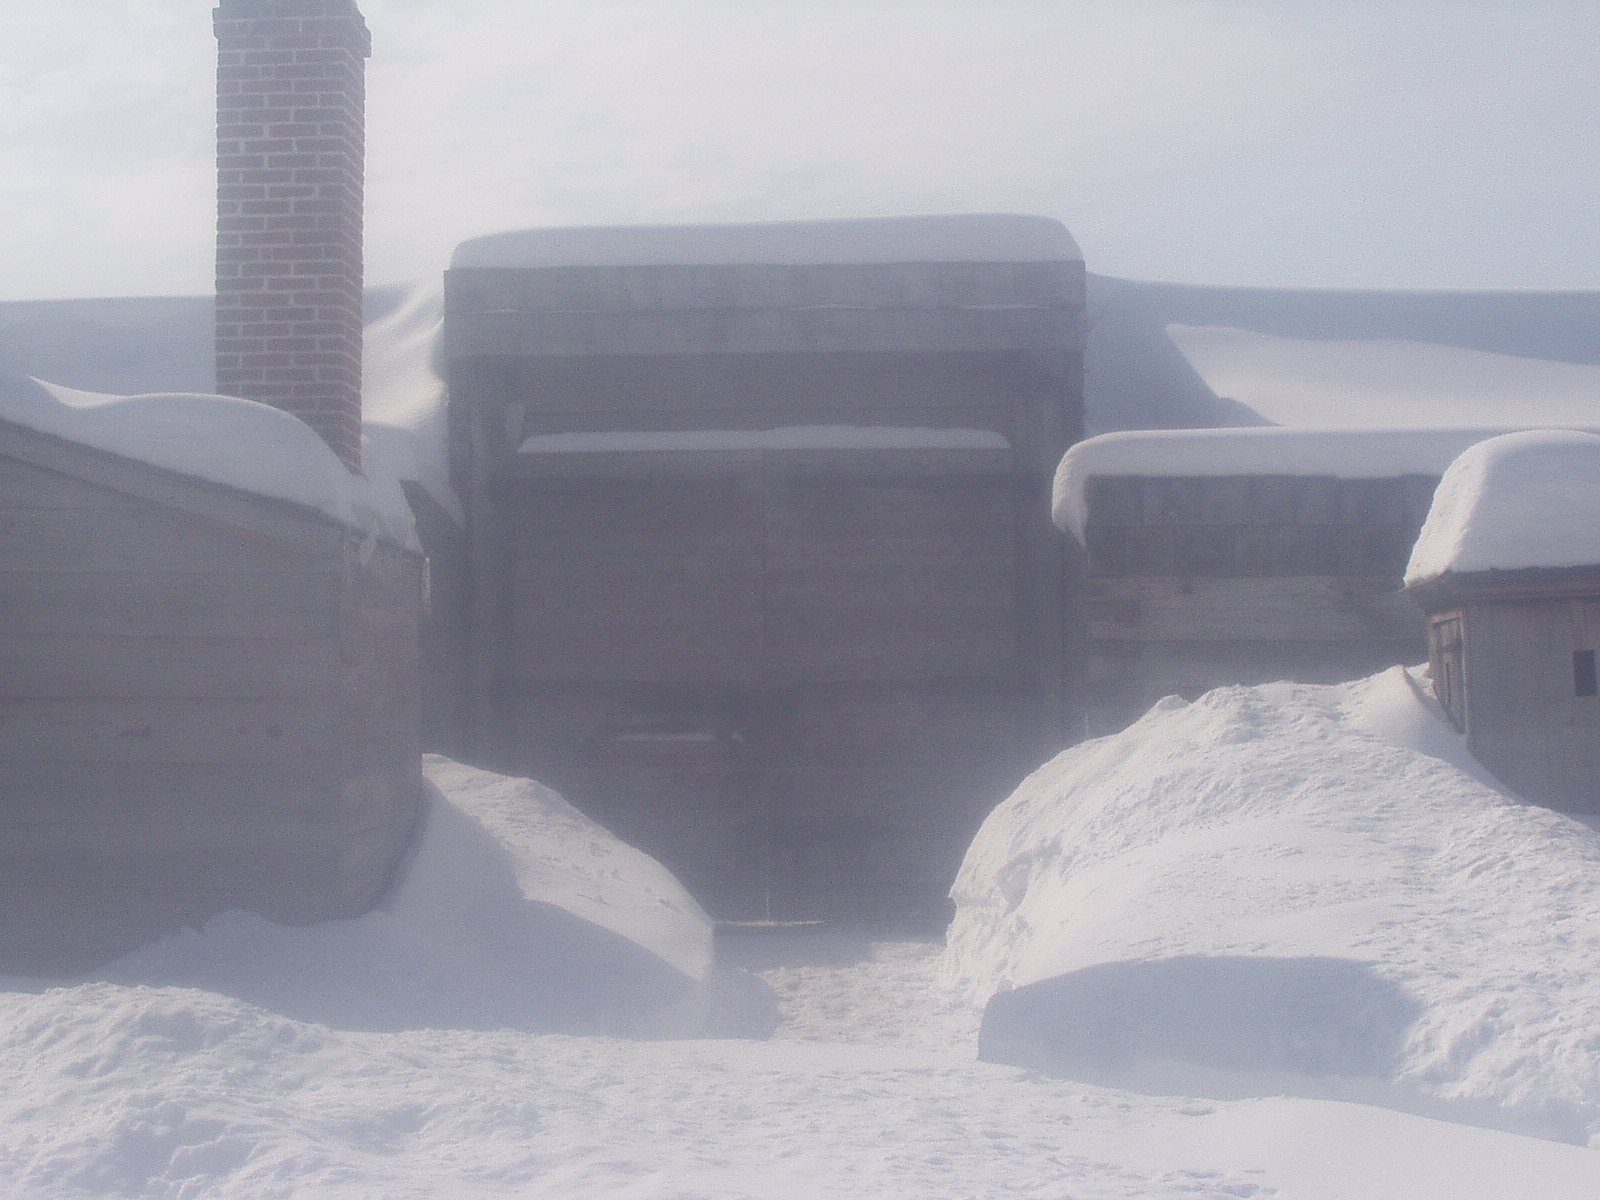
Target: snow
564	859
1387	383
1341	453
414	1052
404	430
977	237
1529	499
791	437
238	443
1285	890
570	929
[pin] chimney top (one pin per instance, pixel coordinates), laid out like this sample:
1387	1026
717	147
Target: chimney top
288	8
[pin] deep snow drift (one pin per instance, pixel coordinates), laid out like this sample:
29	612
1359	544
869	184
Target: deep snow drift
1291	889
407	1053
515	909
1522	500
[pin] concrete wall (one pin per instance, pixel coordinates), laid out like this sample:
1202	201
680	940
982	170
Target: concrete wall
206	702
1189	583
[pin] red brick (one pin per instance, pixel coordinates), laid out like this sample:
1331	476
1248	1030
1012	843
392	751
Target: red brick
289	173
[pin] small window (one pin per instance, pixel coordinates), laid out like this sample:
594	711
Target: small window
1446	653
1583	677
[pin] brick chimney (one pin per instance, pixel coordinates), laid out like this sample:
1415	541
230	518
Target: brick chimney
291	145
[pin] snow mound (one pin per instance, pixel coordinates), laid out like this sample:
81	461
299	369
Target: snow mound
514	911
1386	383
975	237
1521	500
1340	453
222	439
404	431
1279	890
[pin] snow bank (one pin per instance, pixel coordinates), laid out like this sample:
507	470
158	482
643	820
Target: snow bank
404	431
514	911
173	1094
1522	500
401	1058
238	443
1386	383
791	437
956	238
1274	890
1341	453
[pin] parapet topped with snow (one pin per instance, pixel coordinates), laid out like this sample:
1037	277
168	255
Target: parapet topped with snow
1339	453
873	240
1520	501
222	439
790	437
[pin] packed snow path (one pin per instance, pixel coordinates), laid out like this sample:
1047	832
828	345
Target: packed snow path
856	986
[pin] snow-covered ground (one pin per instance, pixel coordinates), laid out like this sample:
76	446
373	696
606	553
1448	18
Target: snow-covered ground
1375	968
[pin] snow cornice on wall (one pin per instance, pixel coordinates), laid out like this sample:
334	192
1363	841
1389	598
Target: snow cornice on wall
236	444
1200	453
964	237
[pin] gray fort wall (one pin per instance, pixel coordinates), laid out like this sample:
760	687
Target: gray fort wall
207	701
800	677
1190	583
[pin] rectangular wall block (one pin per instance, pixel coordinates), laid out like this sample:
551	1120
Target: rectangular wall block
291	79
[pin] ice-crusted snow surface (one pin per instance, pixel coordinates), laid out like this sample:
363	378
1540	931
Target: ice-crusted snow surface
238	443
1286	890
1341	453
1387	383
787	437
398	1055
1528	499
961	237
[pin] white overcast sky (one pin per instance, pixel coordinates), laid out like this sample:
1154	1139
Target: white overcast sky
1436	143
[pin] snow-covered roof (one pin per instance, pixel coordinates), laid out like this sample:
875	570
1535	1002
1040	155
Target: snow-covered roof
1340	453
791	437
1386	383
222	439
1514	502
930	239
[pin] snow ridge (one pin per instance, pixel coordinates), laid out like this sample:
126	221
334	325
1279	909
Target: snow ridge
1193	890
